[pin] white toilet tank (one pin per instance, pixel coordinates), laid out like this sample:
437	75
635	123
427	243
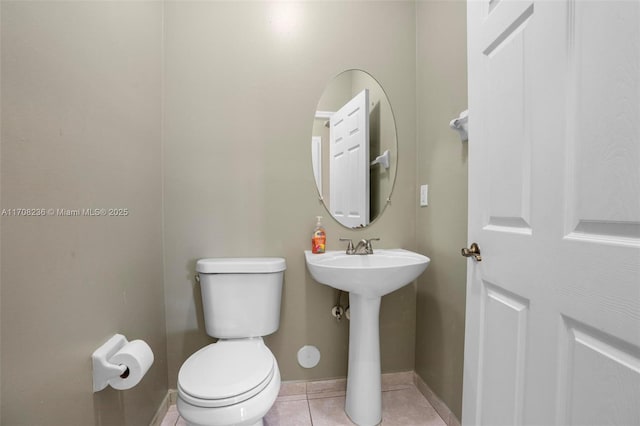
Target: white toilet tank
241	296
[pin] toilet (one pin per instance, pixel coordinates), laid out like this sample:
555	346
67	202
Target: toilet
236	380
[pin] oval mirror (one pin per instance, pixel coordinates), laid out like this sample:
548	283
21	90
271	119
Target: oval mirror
354	148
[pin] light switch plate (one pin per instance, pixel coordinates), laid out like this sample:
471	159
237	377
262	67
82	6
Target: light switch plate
424	195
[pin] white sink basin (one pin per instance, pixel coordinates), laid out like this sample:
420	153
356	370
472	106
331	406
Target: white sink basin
367	278
371	275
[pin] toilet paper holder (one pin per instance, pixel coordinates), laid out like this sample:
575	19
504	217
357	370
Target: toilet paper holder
103	370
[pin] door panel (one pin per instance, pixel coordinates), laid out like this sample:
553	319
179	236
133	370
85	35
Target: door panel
603	176
504	326
595	369
509	151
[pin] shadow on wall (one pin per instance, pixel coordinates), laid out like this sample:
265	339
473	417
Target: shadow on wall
108	407
197	297
464	153
430	307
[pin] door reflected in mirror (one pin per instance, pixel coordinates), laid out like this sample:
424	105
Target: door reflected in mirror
354	148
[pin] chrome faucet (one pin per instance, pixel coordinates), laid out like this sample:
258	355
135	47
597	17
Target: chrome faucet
363	246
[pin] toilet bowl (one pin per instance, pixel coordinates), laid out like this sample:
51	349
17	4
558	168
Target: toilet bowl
232	382
236	380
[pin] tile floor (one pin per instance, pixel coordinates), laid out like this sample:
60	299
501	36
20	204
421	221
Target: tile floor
322	404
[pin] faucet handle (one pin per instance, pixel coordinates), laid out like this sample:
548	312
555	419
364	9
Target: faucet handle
350	248
369	247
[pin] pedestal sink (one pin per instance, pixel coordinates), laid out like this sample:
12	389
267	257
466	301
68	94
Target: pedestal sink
367	278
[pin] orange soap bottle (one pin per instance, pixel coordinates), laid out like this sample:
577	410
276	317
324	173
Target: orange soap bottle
319	237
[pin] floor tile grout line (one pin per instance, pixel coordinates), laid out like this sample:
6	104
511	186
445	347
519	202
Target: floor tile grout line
327	397
309	410
318	395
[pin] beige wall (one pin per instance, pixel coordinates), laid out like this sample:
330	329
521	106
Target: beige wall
81	88
442	226
240	97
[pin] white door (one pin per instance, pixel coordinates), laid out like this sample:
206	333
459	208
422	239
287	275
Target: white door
553	307
349	162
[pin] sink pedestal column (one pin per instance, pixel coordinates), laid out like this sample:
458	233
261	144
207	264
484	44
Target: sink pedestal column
364	391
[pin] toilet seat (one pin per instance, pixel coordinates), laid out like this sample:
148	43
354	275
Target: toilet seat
224	402
226	373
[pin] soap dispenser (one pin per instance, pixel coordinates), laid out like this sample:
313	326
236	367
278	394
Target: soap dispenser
319	237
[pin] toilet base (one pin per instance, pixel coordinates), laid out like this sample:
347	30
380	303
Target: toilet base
258	423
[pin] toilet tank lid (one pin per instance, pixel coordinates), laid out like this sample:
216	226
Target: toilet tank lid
241	265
